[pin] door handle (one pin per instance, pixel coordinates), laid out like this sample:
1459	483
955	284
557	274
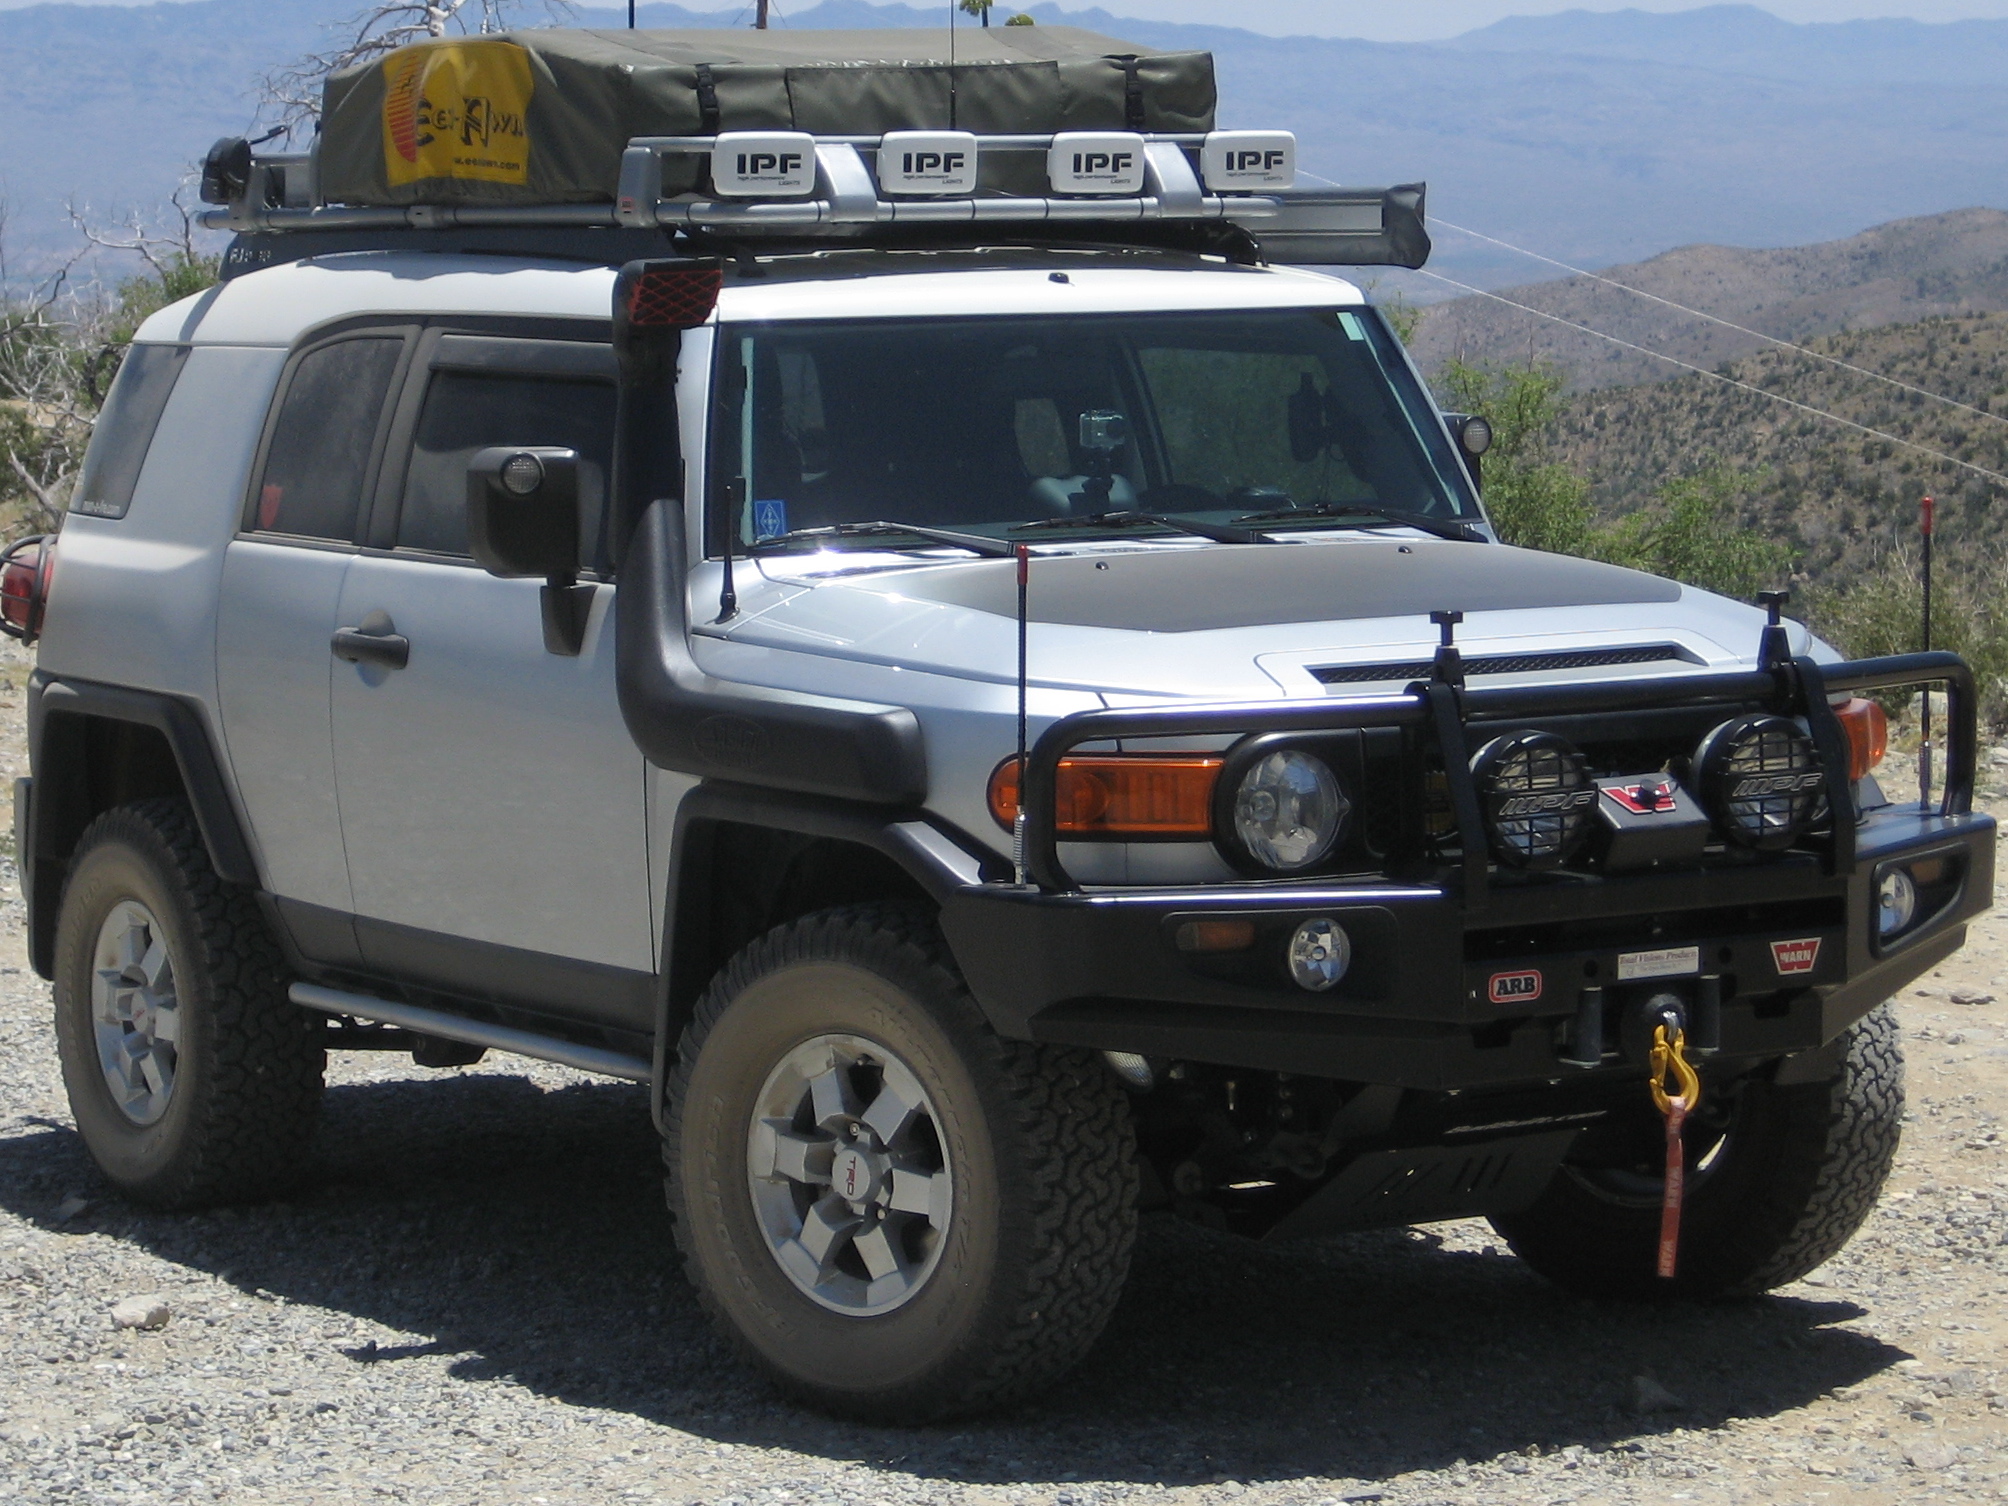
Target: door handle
372	642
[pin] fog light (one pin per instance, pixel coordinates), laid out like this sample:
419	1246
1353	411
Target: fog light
1320	953
1896	903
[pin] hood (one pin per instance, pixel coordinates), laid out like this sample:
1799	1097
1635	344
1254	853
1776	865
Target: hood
1335	615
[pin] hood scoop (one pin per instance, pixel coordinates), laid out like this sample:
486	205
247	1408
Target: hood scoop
1499	664
1180	590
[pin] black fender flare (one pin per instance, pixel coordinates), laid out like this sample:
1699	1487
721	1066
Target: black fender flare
939	859
59	803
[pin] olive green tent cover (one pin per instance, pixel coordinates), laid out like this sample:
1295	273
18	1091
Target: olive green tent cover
541	117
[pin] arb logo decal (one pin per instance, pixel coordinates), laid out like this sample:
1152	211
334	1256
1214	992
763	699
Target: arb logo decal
1795	956
1514	988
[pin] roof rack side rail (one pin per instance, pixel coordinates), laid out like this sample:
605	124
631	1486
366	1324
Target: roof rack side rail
835	193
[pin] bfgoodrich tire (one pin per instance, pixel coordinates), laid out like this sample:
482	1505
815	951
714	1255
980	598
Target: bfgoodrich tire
1780	1183
894	1212
192	1078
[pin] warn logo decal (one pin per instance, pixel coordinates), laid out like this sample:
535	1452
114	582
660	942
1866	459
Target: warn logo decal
1795	956
1514	988
1646	798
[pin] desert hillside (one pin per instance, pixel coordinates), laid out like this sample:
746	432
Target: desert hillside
1901	272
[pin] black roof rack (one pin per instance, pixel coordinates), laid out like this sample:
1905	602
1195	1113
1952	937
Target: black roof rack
273	205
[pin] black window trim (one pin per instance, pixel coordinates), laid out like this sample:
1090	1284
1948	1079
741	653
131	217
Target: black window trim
403	329
379	539
182	350
409	327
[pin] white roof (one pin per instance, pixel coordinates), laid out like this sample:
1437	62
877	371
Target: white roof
279	304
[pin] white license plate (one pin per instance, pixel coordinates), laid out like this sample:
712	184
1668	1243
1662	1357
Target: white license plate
1669	962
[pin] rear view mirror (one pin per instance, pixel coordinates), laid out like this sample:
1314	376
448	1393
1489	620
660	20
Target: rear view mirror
1310	429
523	511
523	520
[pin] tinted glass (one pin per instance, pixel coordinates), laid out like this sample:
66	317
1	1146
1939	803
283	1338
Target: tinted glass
319	460
465	413
125	428
986	423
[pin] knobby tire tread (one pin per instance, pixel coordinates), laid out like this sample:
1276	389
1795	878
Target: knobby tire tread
267	1060
1070	1115
1864	1122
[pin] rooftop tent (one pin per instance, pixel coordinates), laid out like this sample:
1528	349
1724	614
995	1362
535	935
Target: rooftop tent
541	117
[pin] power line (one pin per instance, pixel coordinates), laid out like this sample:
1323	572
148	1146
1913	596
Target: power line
1717	376
1756	334
1741	329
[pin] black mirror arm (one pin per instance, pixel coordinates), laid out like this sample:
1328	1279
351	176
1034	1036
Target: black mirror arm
568	607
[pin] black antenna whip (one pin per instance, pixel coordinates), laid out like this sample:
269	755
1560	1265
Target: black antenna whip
1018	821
1928	508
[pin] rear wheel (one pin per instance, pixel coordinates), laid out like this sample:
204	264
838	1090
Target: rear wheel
1781	1177
193	1079
893	1211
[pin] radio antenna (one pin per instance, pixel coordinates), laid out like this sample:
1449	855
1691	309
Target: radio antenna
1018	821
1927	509
951	88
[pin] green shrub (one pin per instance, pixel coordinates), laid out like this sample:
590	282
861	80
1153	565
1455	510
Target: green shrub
1881	612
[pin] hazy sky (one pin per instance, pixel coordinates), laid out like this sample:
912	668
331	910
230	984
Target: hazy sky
1410	20
1393	20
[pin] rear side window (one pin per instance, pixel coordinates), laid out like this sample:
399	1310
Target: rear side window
125	429
319	457
465	412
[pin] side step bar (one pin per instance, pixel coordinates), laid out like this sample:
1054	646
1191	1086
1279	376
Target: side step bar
453	1027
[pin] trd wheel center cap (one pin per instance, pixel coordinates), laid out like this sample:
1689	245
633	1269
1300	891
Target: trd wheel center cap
855	1175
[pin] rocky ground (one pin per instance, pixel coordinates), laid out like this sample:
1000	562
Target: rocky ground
471	1300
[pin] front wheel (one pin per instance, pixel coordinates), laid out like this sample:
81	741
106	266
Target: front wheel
893	1211
1781	1176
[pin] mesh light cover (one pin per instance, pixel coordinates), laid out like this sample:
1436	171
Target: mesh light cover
1760	778
1537	795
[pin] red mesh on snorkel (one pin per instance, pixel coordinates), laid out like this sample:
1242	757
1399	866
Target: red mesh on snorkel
672	297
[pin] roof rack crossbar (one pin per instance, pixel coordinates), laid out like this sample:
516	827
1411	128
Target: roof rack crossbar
1342	227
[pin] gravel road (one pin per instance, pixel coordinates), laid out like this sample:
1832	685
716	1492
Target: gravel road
470	1300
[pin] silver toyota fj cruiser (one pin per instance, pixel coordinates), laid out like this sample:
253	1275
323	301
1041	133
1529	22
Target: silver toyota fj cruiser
998	701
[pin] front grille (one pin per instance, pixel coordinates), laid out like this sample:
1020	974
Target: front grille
1498	664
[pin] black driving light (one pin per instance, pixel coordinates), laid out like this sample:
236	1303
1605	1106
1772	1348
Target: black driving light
1537	795
1759	775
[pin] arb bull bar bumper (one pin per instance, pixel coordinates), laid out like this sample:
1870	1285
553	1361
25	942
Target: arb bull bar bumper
1467	975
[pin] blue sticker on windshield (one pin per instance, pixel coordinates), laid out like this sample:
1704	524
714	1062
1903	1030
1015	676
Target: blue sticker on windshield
770	520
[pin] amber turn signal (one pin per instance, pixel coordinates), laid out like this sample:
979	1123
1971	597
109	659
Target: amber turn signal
1867	729
1120	795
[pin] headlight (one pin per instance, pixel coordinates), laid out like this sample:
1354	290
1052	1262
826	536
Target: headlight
1289	810
1760	777
1537	795
1896	903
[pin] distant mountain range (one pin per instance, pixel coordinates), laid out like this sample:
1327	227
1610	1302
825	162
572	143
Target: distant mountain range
1598	138
1896	273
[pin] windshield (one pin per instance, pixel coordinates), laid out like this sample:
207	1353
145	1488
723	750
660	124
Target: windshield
985	425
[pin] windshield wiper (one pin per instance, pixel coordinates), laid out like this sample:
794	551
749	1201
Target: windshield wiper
975	543
1442	528
1219	533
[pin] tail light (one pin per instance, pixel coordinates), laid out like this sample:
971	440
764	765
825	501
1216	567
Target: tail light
1120	795
26	568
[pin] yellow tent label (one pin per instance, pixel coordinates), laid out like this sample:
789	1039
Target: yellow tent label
457	110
